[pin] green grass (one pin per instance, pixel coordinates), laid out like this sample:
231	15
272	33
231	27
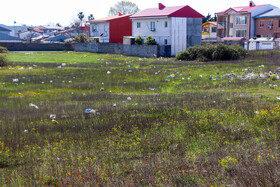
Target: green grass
206	126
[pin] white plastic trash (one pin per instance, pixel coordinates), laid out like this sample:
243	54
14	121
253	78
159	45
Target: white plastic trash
32	105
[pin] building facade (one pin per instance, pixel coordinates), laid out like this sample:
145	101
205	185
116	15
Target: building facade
111	29
178	26
209	30
268	24
239	21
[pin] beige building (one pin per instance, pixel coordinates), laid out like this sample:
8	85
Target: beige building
238	21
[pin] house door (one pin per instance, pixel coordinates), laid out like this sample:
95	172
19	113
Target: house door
258	45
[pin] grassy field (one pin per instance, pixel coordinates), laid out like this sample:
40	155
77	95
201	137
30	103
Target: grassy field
156	122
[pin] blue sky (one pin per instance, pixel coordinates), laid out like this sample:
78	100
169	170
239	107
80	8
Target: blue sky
35	12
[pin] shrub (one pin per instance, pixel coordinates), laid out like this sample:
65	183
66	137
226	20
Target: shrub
209	52
82	39
139	40
273	77
150	41
3	49
3	60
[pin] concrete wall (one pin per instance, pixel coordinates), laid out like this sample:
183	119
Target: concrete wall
130	50
194	31
179	35
37	47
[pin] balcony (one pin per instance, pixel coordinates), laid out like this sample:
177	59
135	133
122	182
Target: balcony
221	25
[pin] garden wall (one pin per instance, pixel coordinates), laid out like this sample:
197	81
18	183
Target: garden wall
130	50
38	47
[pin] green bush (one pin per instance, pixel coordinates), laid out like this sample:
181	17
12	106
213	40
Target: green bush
273	77
210	52
3	61
139	40
150	41
3	49
82	39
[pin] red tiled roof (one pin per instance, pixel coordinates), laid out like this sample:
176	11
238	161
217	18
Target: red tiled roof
241	9
173	11
108	18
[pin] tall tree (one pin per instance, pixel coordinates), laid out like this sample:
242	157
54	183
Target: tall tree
90	17
209	18
124	7
81	17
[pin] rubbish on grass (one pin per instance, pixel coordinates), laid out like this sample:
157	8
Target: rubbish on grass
54	121
128	98
114	105
90	111
108	72
102	89
63	64
32	105
172	75
15	80
152	89
58	66
53	116
26	131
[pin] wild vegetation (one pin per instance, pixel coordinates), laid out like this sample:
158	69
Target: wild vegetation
150	122
209	52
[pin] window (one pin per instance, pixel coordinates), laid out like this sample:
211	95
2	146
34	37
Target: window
206	29
241	20
230	25
166	24
138	25
241	33
271	23
261	23
153	26
165	42
279	23
214	29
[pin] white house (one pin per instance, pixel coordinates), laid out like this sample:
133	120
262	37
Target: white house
209	30
178	26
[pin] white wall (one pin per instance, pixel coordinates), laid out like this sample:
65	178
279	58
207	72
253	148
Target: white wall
179	35
100	28
161	32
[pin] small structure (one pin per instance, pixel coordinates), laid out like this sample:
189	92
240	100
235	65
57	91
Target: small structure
111	29
178	26
209	30
58	38
239	21
268	24
261	44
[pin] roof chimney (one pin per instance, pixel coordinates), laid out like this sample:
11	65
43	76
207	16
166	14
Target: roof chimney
252	4
161	6
120	14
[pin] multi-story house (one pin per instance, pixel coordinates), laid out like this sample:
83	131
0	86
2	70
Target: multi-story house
178	26
111	29
268	24
239	21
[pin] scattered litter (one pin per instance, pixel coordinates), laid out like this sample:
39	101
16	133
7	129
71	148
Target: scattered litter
114	105
108	72
30	68
58	66
32	105
15	80
54	121
70	81
172	75
278	98
63	64
90	111
128	98
256	112
21	68
43	82
200	76
152	89
53	116
102	89
51	81
262	66
130	71
26	131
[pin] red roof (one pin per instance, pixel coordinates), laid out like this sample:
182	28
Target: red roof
174	11
241	9
108	18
